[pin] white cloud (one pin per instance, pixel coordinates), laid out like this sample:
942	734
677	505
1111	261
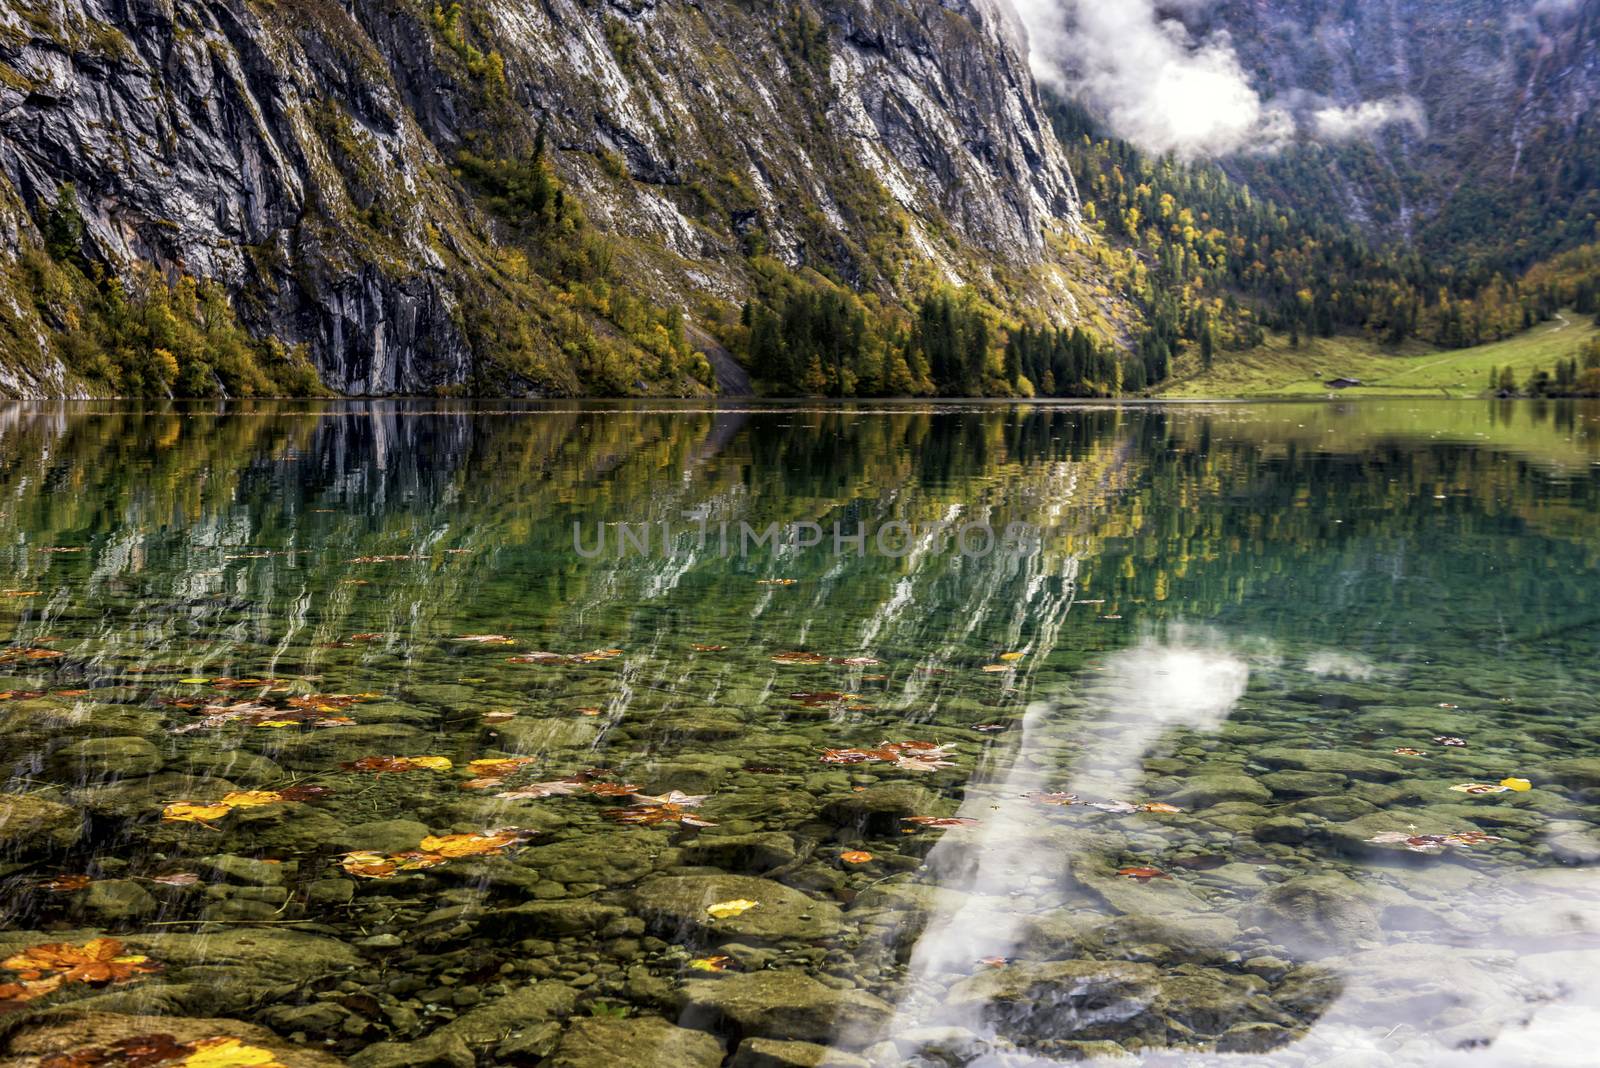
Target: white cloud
1363	120
1158	86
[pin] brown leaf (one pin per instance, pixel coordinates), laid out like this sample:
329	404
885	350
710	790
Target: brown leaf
65	884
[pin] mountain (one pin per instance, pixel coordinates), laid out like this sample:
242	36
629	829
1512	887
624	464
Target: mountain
1494	159
503	196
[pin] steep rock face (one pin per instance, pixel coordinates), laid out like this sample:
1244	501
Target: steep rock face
1511	94
305	155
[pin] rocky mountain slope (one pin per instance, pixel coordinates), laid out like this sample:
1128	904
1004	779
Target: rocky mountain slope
1499	164
513	196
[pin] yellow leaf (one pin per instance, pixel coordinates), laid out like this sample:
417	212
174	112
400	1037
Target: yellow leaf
273	723
251	798
1008	657
189	812
723	910
229	1053
1519	785
432	763
194	682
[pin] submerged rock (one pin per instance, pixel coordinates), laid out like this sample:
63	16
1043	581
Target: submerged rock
1212	788
1332	761
527	1014
787	1005
776	1053
643	1040
30	823
741	852
1316	914
677	905
1063	999
95	759
68	1032
114	901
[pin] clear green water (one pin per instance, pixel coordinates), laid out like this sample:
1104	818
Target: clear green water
1240	612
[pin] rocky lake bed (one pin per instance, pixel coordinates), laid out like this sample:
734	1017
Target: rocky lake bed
422	812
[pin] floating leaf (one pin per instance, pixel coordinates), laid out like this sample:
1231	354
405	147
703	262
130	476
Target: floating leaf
1521	786
1480	788
1142	875
19	593
699	648
939	821
48	967
1432	843
538	657
650	815
66	884
711	964
433	851
1450	740
140	1051
399	764
859	661
777	582
192	812
612	789
473	845
195	681
724	910
393	558
20	695
855	856
489	772
994	668
1054	799
11	655
1407	751
498	717
798	658
591	711
1158	806
558	788
989	728
994	962
229	1053
675	797
252	798
915	756
485	639
205	812
822	697
177	878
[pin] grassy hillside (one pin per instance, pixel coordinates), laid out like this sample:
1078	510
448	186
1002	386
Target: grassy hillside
1276	369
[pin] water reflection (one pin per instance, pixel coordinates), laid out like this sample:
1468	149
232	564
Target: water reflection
1242	613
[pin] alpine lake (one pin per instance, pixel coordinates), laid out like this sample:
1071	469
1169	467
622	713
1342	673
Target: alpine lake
454	734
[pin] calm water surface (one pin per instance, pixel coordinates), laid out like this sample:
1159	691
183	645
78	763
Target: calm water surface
1174	770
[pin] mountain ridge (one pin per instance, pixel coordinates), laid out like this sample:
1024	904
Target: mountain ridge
365	180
